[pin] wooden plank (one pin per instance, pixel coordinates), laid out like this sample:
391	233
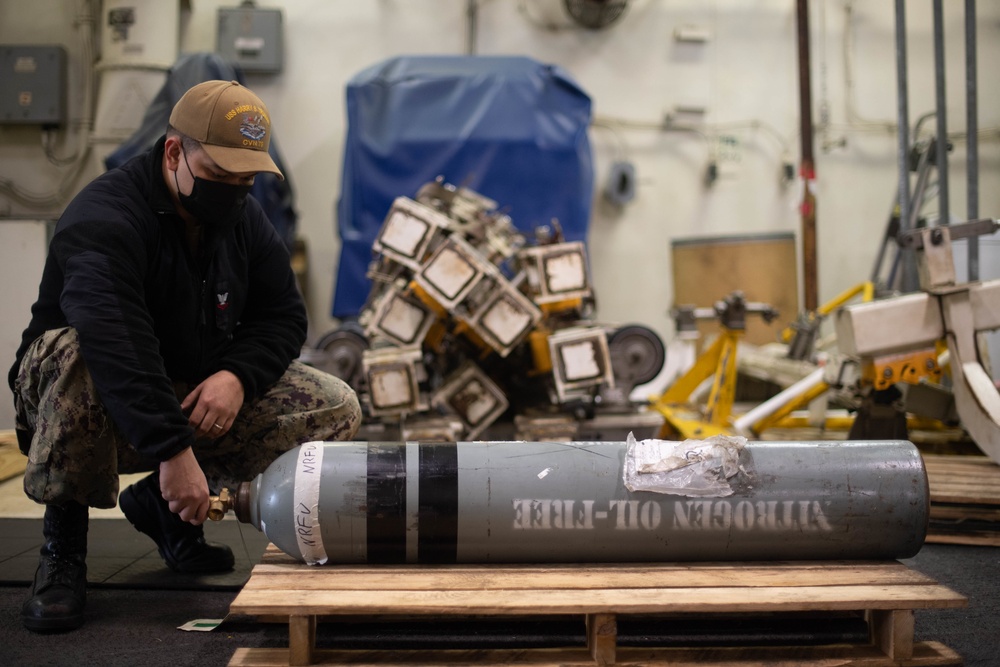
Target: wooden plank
274	555
759	567
966	493
925	654
987	484
301	639
973	480
985	477
982	470
979	466
965	513
892	631
958	460
283	577
968	538
965	500
986	470
602	637
968	496
968	490
621	601
968	476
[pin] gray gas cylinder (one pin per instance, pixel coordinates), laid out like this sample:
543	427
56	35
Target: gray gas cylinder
653	500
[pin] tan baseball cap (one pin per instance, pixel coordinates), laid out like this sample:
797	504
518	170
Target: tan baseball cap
230	122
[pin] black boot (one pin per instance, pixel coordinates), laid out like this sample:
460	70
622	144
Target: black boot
60	589
181	544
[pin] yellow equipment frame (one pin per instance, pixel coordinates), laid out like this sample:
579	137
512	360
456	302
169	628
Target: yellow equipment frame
685	420
681	418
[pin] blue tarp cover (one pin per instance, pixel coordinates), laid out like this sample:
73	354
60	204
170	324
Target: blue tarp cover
510	128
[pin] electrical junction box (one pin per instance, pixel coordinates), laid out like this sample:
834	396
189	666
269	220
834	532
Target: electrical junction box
32	84
251	38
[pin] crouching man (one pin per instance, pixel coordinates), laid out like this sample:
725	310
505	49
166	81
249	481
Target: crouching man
164	339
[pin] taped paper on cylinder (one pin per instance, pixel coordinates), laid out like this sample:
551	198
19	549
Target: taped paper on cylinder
701	468
308	473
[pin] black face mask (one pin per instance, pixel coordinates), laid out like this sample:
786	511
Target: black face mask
213	202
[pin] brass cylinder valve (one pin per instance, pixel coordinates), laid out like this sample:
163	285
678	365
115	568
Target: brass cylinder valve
219	505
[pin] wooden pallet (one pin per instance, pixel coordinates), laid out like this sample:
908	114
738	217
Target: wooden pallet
887	591
965	500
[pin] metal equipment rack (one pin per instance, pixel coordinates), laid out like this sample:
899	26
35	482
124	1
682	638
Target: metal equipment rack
887	592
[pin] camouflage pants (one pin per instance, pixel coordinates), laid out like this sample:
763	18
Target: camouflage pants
77	452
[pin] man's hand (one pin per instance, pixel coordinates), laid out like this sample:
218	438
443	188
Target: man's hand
212	405
184	487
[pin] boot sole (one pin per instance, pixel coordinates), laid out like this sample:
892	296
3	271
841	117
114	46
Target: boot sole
62	623
137	515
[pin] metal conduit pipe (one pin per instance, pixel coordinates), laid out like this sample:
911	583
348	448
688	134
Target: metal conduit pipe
942	117
972	129
909	280
810	263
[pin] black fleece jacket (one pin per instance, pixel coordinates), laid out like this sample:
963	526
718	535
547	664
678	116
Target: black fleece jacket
148	313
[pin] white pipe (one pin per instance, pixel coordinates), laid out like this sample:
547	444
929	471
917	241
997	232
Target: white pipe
770	406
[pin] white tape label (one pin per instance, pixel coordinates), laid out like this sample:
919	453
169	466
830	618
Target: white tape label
308	471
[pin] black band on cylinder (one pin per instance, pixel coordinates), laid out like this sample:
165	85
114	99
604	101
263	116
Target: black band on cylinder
437	518
386	503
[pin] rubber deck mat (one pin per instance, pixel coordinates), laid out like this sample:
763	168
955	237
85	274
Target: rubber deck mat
118	556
